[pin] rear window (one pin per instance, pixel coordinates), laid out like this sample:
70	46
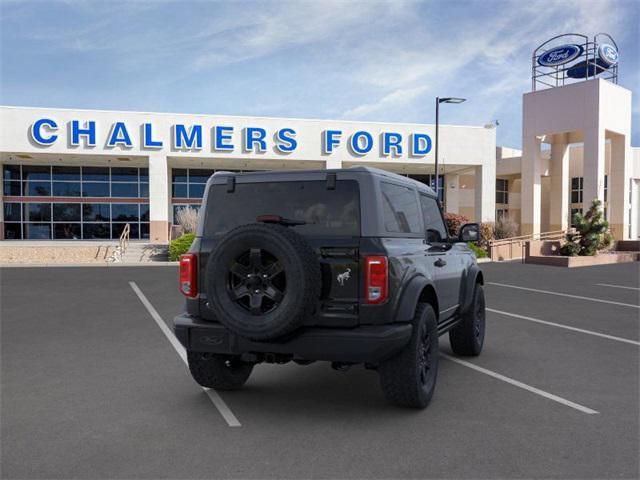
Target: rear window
400	209
326	212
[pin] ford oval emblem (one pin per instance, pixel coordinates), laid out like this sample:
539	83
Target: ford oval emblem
560	55
608	54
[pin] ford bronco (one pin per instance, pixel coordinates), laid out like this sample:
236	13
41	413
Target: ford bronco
350	266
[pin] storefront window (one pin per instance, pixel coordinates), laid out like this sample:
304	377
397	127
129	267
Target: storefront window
189	182
49	220
430	181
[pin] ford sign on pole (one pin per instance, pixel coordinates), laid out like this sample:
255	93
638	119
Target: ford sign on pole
560	55
608	54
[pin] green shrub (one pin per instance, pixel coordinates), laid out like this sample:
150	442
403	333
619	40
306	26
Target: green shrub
479	252
180	245
592	233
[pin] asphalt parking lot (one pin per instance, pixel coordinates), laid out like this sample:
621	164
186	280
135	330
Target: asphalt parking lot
93	388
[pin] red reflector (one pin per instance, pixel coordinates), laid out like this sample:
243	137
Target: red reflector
189	275
376	279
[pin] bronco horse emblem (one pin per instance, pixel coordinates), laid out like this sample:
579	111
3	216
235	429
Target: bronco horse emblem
343	277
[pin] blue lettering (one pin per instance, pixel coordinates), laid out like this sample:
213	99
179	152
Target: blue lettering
147	138
89	131
119	136
330	141
286	141
391	140
421	144
356	144
221	137
186	139
255	135
36	131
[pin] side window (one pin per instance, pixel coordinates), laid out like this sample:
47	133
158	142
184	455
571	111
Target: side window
433	223
400	209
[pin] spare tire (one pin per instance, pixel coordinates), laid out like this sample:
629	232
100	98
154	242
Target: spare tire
262	281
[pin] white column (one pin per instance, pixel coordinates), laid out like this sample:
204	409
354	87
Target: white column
159	198
531	188
333	163
485	192
452	192
593	166
559	197
618	188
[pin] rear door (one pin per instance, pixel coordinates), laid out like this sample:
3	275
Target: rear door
442	260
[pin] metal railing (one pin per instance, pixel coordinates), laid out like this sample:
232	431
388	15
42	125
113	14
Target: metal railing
123	244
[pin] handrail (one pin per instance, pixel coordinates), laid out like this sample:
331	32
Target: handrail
123	244
533	236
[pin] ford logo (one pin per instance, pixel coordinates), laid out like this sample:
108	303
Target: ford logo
560	55
608	54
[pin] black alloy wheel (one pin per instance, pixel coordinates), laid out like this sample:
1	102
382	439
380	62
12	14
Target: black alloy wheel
424	357
257	281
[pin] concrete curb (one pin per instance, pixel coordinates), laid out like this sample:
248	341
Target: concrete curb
75	265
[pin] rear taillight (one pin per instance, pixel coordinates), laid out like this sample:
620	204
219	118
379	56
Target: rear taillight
189	275
376	279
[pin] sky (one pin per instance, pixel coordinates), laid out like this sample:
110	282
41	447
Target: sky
344	60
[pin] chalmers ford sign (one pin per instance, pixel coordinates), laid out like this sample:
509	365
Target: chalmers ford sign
45	132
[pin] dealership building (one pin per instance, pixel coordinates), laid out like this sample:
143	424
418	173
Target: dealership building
85	174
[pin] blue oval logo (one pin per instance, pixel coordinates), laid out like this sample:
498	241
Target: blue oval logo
560	55
608	54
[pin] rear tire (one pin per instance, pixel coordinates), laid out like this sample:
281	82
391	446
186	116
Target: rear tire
467	338
409	378
221	372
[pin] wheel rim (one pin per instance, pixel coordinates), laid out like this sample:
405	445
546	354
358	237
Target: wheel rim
424	358
257	281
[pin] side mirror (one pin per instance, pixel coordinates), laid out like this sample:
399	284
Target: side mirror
469	232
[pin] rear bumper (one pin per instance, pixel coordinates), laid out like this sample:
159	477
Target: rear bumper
363	344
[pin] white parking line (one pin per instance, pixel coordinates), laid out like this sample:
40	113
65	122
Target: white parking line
222	407
616	286
566	327
524	386
590	299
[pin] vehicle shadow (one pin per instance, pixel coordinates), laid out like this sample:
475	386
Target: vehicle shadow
276	392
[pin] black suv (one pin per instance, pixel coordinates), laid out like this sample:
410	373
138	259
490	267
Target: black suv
348	266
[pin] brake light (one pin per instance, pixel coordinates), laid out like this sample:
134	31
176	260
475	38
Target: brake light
376	280
189	275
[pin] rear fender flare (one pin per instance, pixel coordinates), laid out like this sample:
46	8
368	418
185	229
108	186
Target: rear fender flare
410	296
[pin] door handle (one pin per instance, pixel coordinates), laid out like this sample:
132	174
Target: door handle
440	263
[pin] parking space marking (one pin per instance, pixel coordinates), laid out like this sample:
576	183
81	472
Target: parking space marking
567	327
616	286
216	399
524	386
579	297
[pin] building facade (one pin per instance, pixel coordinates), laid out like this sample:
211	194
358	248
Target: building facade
85	174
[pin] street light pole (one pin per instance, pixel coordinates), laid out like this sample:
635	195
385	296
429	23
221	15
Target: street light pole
436	147
438	102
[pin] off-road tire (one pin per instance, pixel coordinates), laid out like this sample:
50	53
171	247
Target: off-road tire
301	268
467	338
402	377
221	372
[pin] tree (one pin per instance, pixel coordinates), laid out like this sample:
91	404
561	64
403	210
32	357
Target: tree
591	235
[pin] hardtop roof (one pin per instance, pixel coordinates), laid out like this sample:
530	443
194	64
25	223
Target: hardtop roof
272	174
